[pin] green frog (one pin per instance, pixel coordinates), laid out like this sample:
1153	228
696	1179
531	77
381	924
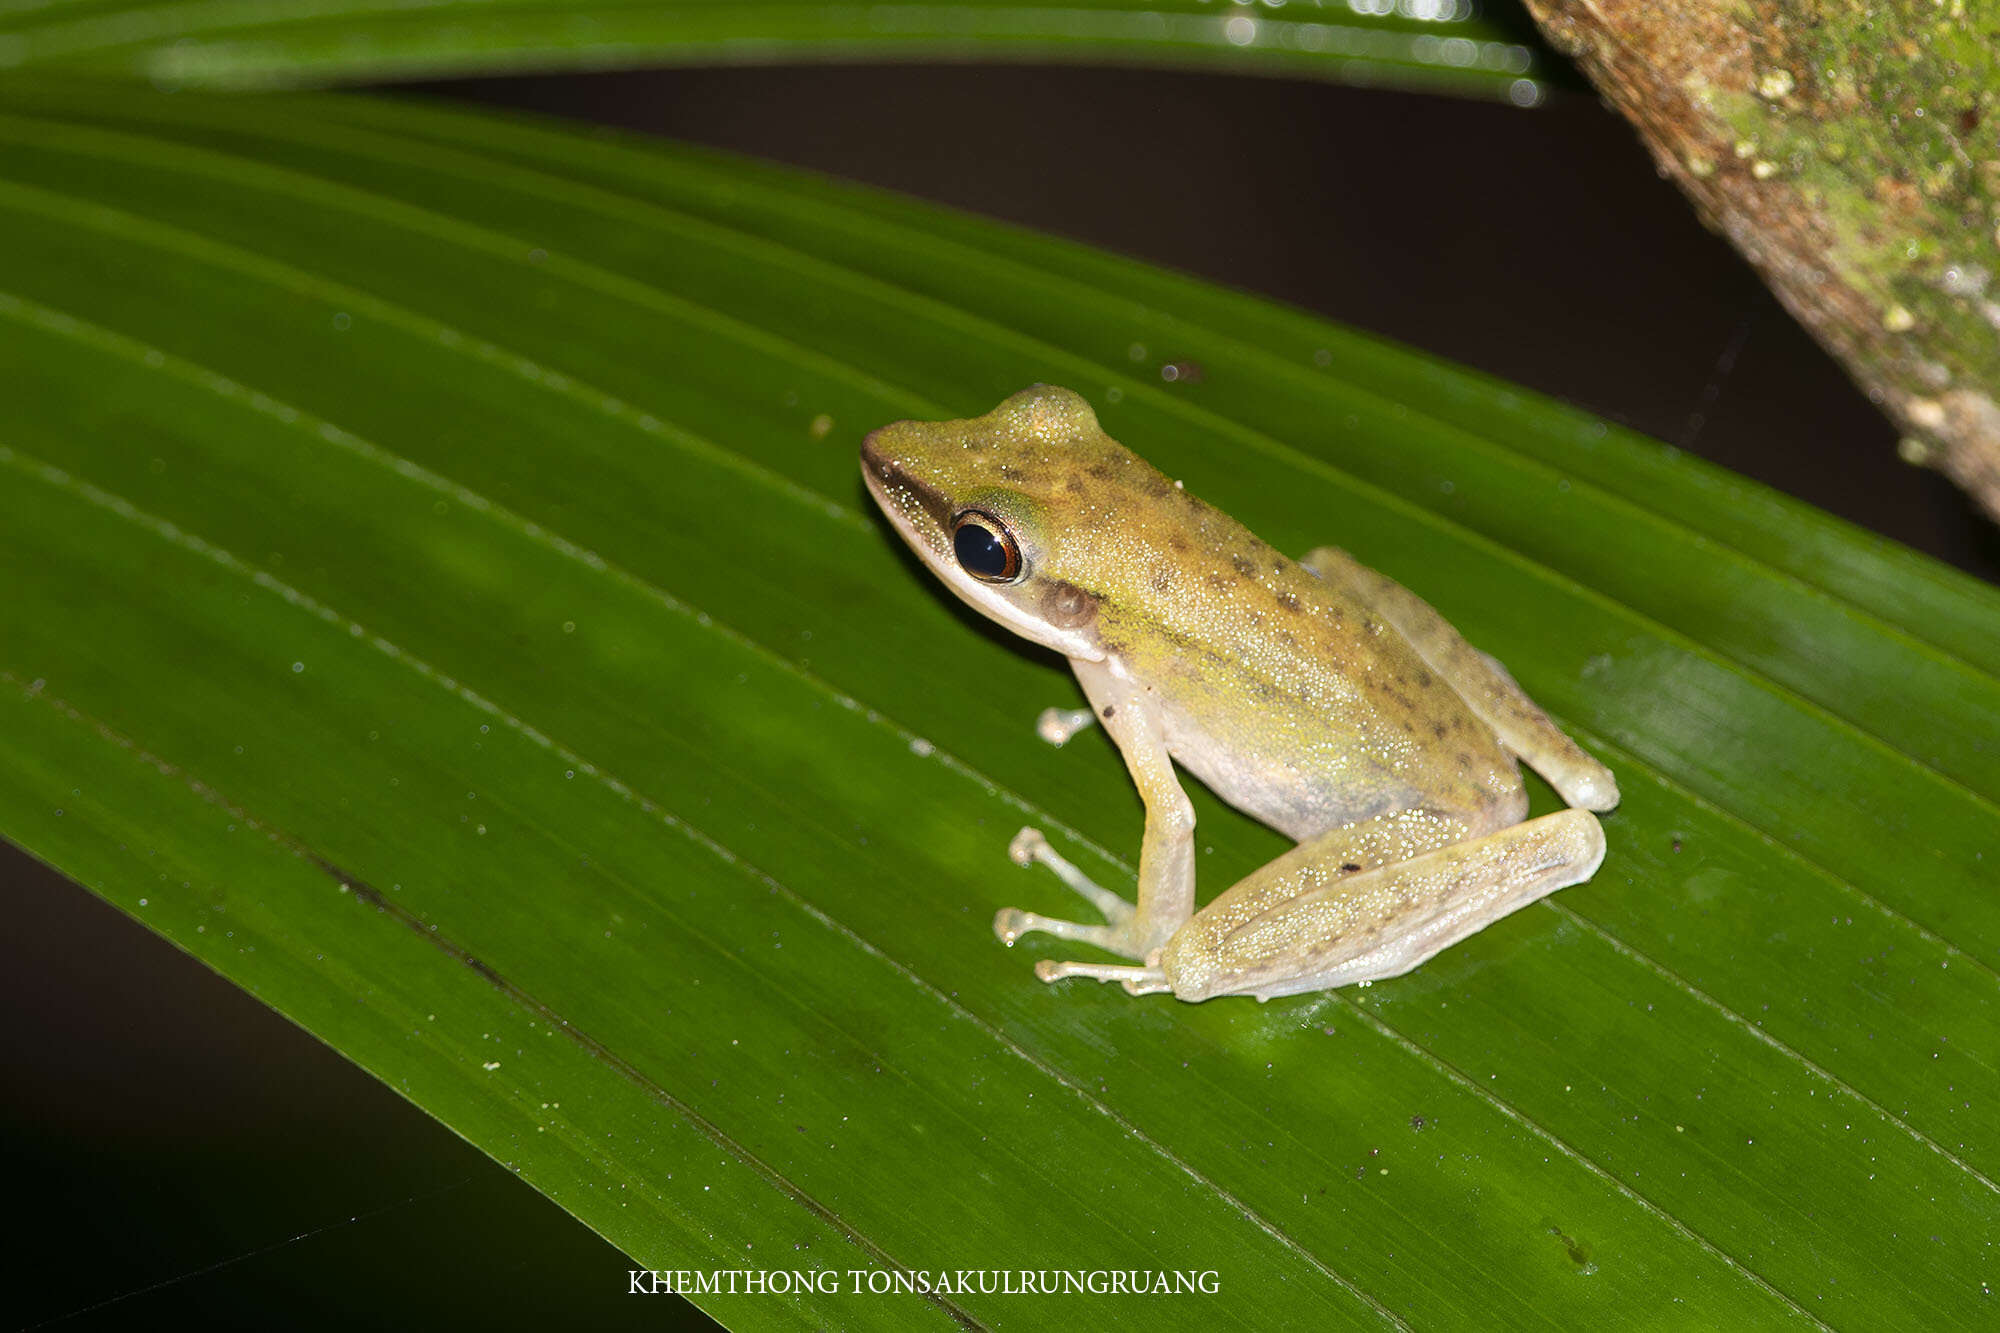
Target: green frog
1316	695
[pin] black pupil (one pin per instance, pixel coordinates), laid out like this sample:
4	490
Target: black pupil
980	550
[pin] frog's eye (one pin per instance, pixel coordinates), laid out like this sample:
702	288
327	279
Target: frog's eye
985	548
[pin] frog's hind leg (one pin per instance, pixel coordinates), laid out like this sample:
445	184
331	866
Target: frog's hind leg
1479	680
1310	921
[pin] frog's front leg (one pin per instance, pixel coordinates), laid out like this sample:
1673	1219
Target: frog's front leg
1314	919
1166	855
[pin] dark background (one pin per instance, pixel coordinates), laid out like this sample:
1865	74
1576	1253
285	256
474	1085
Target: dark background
158	1126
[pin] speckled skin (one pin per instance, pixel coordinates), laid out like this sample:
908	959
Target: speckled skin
1318	697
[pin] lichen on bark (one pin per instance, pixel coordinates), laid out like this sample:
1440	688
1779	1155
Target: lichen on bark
1851	150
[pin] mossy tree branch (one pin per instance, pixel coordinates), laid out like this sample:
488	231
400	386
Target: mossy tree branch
1851	150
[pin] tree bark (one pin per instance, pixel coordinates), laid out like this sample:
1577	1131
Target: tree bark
1851	150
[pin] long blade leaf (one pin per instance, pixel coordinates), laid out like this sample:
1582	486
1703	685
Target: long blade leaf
444	602
1435	45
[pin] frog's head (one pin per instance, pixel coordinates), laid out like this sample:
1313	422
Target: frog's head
998	507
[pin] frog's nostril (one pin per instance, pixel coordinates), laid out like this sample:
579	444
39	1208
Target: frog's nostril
876	461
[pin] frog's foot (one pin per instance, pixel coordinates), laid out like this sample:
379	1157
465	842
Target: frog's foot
1029	847
1057	725
1135	980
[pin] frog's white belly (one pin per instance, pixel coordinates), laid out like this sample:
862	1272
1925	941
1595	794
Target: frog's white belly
1300	789
1303	774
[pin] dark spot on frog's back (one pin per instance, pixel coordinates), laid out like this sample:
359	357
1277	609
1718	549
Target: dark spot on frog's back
1289	601
1008	472
1244	565
1177	541
1102	471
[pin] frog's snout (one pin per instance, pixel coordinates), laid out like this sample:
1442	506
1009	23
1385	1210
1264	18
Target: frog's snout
879	467
873	460
920	511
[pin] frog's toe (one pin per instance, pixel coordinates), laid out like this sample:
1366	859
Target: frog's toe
1011	923
1030	847
1058	725
1135	980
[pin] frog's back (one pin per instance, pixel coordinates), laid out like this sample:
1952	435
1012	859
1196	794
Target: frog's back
1291	700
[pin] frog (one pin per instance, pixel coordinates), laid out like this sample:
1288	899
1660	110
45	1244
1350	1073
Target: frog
1315	695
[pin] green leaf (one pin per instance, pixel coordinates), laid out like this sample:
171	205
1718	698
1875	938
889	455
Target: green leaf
442	599
1434	45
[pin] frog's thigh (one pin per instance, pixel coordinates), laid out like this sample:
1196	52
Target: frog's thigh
1347	850
1482	682
1301	924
